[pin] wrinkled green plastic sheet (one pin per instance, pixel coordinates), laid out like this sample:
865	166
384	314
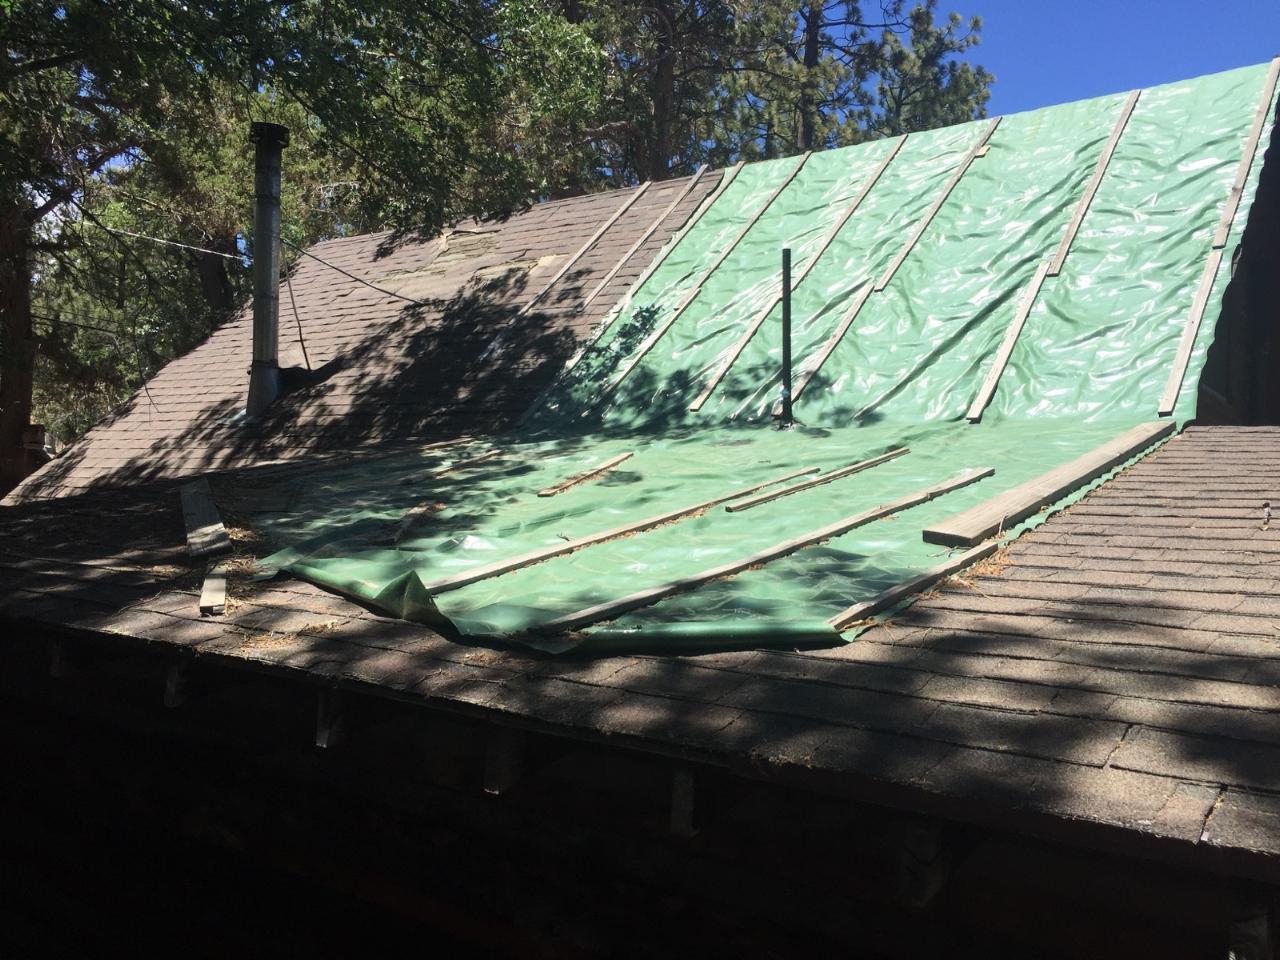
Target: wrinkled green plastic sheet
1092	361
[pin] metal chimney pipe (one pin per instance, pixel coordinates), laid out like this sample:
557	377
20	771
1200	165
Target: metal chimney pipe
269	140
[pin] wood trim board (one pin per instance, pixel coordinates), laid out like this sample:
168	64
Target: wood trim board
651	341
758	320
569	546
1013	506
818	481
887	598
1095	181
626	205
610	609
585	475
206	536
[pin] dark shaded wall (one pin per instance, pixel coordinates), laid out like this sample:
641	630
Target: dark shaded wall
1240	383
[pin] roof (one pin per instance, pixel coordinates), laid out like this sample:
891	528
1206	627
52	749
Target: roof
1097	681
404	372
984	317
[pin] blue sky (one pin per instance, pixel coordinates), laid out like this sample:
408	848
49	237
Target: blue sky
1051	51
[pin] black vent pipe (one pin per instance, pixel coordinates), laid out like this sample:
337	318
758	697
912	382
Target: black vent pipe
269	140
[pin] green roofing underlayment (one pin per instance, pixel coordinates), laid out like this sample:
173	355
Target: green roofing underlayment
1091	361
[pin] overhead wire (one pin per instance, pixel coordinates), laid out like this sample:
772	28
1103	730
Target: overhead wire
352	276
239	258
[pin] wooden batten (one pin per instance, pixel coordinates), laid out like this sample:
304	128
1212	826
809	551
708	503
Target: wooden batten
644	237
998	514
651	341
887	598
758	321
569	546
635	195
206	536
978	150
992	380
585	475
813	364
1095	181
818	481
1182	359
610	609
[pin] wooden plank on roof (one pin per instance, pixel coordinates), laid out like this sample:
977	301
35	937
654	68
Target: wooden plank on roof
1099	171
213	592
1013	506
992	380
610	609
206	536
685	301
644	237
585	475
1187	342
812	365
757	322
635	195
932	212
818	481
546	553
887	598
1265	104
1181	360
620	307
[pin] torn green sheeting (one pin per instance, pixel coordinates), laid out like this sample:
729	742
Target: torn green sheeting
1090	362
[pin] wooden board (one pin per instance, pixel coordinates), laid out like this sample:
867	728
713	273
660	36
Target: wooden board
635	195
1187	342
213	592
1099	171
620	307
816	481
1169	399
758	321
923	225
537	556
644	237
1265	104
988	388
610	609
585	475
653	338
815	362
206	536
1012	507
887	598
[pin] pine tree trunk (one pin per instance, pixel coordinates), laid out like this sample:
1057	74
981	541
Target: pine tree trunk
664	92
214	282
17	345
808	101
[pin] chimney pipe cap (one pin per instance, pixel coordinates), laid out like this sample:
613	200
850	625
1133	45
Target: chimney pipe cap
268	133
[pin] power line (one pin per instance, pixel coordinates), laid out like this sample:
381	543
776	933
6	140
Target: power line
71	323
171	243
346	273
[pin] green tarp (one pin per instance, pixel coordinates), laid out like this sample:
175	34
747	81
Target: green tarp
1091	361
